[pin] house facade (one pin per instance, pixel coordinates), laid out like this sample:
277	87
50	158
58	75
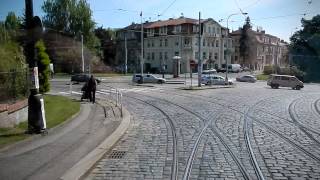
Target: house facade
172	45
264	49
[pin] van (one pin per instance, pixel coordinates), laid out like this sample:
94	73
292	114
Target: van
234	68
276	81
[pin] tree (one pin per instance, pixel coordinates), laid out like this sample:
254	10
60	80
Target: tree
43	65
304	48
73	17
106	37
245	41
12	22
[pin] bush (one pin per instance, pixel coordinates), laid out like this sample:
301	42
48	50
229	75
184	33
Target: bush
43	65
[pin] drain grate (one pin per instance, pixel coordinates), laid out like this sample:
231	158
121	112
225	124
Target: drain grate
117	154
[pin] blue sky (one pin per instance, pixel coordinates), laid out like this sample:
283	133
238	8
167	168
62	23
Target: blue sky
277	17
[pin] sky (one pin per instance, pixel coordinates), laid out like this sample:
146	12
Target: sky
277	17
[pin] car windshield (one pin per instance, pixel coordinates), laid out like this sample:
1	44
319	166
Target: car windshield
181	90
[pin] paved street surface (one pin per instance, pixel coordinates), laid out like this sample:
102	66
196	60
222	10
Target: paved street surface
247	132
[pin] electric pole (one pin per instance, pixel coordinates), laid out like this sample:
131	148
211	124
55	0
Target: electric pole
82	58
126	54
141	61
199	54
36	113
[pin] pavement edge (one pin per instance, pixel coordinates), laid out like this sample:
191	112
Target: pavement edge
86	163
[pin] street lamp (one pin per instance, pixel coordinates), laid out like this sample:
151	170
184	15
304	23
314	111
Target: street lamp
243	13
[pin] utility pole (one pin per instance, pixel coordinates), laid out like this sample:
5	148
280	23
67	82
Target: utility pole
141	62
36	113
82	58
126	54
199	53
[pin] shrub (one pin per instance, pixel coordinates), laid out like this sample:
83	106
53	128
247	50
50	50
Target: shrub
43	65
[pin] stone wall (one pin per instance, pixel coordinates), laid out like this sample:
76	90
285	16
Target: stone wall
13	114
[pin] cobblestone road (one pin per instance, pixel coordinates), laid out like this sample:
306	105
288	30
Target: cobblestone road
247	132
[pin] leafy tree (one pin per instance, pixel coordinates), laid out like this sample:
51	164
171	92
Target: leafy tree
73	17
106	36
43	65
12	22
245	41
305	48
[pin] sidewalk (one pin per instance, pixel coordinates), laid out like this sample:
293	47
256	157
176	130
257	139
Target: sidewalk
69	149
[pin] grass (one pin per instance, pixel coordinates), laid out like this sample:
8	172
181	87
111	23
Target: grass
58	109
262	77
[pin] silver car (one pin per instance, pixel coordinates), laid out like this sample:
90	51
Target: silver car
147	78
215	80
246	78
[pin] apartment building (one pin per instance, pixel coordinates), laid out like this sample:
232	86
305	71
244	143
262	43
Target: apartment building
167	41
264	49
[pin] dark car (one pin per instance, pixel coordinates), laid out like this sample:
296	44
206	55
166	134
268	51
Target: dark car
82	78
247	78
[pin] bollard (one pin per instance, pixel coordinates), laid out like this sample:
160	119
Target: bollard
117	98
70	87
121	104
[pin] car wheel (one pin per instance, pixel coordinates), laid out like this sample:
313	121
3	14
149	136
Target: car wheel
298	87
160	82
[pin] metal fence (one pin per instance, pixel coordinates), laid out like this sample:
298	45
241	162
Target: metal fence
13	85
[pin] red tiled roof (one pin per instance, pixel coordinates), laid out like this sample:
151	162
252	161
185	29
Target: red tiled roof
172	22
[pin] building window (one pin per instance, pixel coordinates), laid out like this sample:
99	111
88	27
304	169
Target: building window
215	56
236	58
165	55
186	41
213	30
212	43
204	42
208	43
160	55
148	44
152	55
176	53
224	44
209	30
204	55
148	56
196	55
152	43
217	43
160	44
210	55
177	43
166	42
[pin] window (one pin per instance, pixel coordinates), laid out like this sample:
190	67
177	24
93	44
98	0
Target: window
176	53
160	44
213	30
204	42
152	43
216	56
177	43
217	43
166	42
212	43
152	55
210	55
196	55
148	56
209	30
285	78
186	41
236	58
148	44
165	55
160	55
225	44
208	43
204	55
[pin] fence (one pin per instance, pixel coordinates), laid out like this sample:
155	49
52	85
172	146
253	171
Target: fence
13	85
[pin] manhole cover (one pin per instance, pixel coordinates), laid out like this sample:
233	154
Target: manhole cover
117	154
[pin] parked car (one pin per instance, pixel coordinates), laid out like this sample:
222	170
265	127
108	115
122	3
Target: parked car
209	72
276	81
82	78
247	78
147	78
234	68
215	80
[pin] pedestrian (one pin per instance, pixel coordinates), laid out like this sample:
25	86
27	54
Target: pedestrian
92	86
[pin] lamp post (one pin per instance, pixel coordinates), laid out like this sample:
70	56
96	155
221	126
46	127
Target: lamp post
243	13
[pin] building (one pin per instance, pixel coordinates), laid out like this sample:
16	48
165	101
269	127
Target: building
264	49
172	45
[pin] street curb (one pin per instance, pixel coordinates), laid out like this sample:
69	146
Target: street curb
205	88
86	163
50	130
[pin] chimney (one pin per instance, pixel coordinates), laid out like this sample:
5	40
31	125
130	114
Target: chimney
263	31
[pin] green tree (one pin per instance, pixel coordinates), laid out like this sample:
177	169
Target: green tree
245	41
12	22
304	48
73	17
43	65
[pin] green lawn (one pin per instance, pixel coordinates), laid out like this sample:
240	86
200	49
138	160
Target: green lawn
58	109
262	77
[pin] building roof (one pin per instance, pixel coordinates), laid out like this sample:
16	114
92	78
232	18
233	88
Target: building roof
173	22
